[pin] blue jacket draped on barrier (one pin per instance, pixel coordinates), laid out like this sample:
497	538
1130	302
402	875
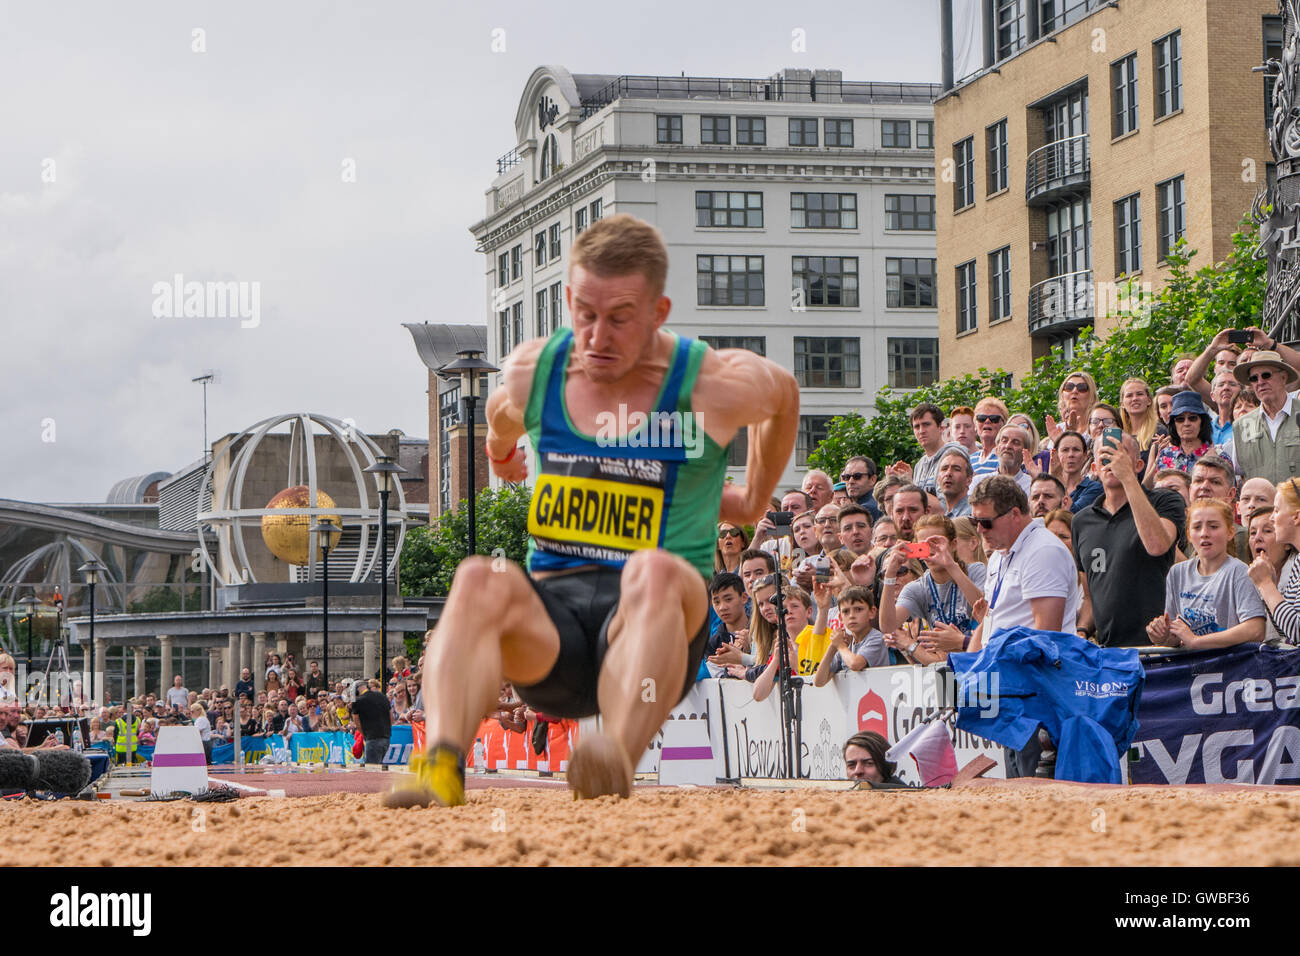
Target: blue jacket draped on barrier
1086	696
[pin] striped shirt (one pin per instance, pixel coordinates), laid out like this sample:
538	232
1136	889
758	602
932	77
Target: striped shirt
983	466
1286	616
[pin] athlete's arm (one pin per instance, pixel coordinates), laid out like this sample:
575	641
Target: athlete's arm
736	389
505	411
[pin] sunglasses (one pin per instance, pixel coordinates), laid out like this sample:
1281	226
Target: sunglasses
996	419
1075	387
1188	417
1260	376
855	476
729	533
987	523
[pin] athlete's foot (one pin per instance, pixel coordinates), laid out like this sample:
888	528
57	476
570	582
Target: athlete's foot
599	766
436	777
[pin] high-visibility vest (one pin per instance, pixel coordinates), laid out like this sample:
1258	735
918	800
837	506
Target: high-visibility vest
123	733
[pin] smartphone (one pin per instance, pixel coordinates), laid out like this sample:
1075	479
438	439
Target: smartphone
782	520
917	549
1111	436
1240	337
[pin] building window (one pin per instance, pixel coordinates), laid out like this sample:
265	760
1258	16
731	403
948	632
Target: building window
448	418
579	220
595	208
517	321
963	187
966	304
550	158
503	331
751	131
823	211
925	134
738	450
909	284
1173	214
503	270
516	263
909	212
540	313
995	137
1272	51
557	305
812	432
1069	237
555	242
913	362
839	132
1000	284
715	130
1059	13
827	363
728	209
1124	89
1010	20
896	134
668	129
803	131
826	280
1168	55
1128	235
539	249
751	343
729	280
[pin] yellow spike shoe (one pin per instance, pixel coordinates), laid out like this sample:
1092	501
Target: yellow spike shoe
436	777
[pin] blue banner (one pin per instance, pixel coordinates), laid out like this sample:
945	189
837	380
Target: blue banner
1229	716
400	742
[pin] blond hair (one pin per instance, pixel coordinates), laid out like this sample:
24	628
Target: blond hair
1145	430
621	245
1224	512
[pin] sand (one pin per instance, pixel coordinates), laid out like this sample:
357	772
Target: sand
1005	824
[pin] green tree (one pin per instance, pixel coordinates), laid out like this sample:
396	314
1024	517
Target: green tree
430	555
1153	328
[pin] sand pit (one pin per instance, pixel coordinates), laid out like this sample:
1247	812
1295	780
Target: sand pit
982	825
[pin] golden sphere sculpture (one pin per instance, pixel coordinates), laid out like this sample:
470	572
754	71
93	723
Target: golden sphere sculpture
288	536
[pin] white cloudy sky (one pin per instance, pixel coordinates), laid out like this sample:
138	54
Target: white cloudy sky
226	165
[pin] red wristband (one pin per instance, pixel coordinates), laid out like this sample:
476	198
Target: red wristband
500	461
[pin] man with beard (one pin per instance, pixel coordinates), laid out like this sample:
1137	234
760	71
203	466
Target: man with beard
1013	451
953	482
910	503
1046	493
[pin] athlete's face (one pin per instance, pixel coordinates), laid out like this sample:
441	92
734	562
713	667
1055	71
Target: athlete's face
615	319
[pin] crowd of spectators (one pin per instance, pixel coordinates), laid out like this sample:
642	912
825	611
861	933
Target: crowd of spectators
289	704
1166	516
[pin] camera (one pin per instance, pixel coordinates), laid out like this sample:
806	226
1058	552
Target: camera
782	520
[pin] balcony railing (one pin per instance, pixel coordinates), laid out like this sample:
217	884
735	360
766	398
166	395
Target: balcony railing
1057	168
778	88
509	159
1062	304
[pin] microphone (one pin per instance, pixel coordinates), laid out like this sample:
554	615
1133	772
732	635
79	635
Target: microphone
58	771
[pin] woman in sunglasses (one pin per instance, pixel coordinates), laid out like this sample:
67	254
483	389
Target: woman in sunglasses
1077	394
1191	438
731	542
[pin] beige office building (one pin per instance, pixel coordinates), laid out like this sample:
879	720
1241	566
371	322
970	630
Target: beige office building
1076	143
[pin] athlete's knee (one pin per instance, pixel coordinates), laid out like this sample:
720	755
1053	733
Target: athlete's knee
652	571
488	579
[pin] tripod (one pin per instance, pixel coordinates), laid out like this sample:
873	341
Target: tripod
788	684
59	657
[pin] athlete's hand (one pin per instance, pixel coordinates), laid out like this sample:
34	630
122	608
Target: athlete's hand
736	508
514	471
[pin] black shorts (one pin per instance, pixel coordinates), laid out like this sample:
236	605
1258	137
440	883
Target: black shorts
581	605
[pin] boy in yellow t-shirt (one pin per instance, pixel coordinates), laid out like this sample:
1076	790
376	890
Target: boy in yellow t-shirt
812	640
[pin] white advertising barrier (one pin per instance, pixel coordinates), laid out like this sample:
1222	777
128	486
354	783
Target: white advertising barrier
178	762
722	732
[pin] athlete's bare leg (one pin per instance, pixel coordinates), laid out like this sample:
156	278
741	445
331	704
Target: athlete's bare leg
493	626
662	605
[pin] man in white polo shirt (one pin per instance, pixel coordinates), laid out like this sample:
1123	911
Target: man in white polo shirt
1030	579
178	696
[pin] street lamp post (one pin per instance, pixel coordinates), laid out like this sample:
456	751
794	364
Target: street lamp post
90	572
327	536
471	369
384	470
28	604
